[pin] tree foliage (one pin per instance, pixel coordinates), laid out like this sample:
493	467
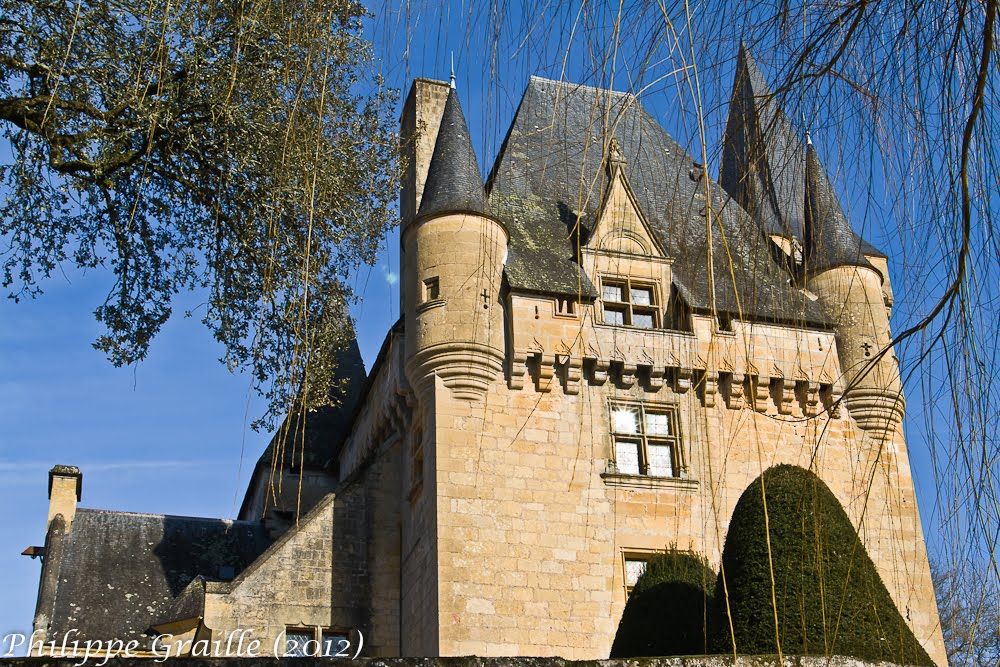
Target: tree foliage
667	612
969	607
803	582
239	149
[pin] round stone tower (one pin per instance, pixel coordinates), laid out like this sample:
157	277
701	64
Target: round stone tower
850	289
452	256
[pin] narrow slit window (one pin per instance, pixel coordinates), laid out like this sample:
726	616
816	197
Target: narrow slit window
565	306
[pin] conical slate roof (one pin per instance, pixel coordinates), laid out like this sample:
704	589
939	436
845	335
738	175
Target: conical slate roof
830	241
454	182
763	159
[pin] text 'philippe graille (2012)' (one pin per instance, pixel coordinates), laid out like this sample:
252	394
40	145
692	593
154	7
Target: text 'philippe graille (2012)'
238	643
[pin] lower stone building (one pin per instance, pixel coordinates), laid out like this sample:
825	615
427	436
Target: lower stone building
585	374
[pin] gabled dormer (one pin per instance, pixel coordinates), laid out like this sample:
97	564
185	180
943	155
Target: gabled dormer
621	227
626	260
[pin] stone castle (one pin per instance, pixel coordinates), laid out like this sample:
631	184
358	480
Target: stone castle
599	350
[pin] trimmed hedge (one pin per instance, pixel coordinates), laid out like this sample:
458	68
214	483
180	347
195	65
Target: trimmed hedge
830	598
668	609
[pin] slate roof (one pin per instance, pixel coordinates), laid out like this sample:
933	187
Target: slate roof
119	572
763	159
454	182
556	143
830	241
314	443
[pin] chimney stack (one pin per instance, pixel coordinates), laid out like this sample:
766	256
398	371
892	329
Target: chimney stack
65	488
419	126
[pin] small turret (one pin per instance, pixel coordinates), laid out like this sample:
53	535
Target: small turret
851	291
453	253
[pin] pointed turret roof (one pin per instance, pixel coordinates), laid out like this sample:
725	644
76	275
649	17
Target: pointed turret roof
830	241
454	182
763	158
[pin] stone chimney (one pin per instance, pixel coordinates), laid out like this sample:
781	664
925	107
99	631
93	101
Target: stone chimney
418	129
65	488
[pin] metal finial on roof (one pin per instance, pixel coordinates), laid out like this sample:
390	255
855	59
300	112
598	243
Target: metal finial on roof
809	140
452	78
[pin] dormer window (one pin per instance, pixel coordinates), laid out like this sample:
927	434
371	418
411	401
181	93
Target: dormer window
629	303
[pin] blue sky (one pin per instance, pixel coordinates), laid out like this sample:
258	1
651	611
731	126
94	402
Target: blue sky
171	435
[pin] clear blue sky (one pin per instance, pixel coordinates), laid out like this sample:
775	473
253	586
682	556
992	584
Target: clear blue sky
172	435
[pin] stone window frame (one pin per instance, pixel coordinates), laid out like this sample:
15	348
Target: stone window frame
642	438
627	307
430	294
431	289
635	554
321	635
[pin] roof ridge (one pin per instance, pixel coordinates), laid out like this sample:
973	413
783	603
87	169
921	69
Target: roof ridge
577	86
152	515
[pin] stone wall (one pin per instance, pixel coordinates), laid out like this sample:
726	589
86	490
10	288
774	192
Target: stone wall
534	524
289	585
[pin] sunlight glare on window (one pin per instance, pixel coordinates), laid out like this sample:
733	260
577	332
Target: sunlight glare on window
633	570
642	296
626	420
642	320
660	461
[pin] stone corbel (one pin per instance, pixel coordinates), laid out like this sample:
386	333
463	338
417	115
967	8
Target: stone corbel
682	379
810	408
598	369
518	368
572	372
656	377
626	373
655	371
599	372
709	388
761	385
836	400
404	391
546	371
786	395
737	400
